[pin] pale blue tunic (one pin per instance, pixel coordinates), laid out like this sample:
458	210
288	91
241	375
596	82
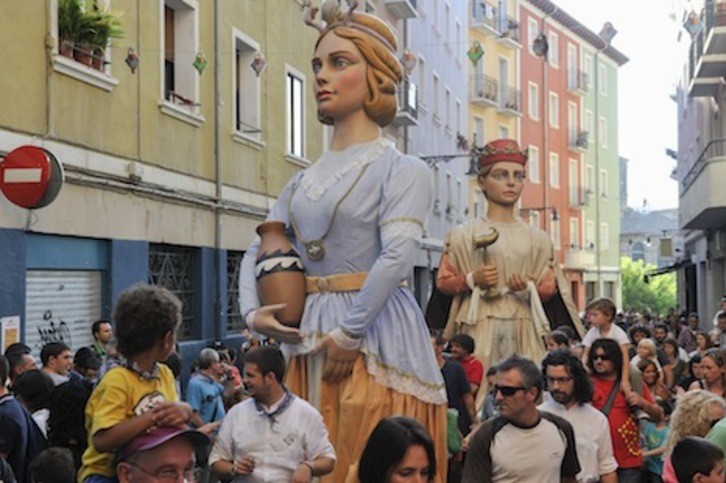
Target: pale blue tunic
378	229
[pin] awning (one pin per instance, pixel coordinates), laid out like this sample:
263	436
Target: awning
667	269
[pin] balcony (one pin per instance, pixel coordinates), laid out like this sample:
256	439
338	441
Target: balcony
702	202
510	102
578	198
578	141
707	56
402	9
484	90
576	258
484	18
407	114
508	32
577	82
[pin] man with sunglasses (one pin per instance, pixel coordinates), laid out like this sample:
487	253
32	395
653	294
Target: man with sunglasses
570	393
522	444
605	362
163	454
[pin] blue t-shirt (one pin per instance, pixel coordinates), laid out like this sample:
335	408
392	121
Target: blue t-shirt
654	438
204	395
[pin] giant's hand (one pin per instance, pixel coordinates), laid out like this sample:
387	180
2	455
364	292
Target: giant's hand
339	362
486	276
517	282
266	323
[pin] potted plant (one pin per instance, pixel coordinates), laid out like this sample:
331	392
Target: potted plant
106	26
73	26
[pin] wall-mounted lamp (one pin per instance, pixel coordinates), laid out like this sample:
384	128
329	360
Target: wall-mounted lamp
473	155
540	45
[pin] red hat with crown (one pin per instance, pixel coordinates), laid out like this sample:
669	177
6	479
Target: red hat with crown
502	150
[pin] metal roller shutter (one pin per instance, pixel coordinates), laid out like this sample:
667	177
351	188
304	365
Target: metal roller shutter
61	306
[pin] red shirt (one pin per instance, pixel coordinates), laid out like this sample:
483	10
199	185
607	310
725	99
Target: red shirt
623	426
474	370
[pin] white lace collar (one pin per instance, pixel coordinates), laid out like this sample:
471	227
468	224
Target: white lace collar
333	165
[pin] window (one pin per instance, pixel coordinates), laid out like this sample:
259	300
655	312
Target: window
533	101
532	31
171	267
503	132
534	219
603	132
603	80
533	164
555	234
554	170
449	194
447	108
554	110
573	182
235	321
459	193
590	235
422	97
572	122
295	99
604	237
572	79
180	32
437	107
437	186
247	120
370	7
588	123
459	42
458	117
447	26
588	71
553	54
603	183
478	131
589	180
574	233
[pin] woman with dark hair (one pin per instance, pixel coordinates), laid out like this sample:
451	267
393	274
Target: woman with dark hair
557	340
714	373
399	449
33	389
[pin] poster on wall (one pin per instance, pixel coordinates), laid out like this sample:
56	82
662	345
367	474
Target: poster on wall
61	305
10	330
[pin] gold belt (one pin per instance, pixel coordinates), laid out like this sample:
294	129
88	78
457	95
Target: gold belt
344	282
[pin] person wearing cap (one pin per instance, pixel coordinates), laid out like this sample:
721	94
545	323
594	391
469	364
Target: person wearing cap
498	290
162	454
274	435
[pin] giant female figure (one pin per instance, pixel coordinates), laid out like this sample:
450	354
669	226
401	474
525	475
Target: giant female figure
362	351
499	269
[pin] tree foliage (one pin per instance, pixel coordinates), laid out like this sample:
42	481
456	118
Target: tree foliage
656	295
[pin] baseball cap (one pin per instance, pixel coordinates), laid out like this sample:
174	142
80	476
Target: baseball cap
158	436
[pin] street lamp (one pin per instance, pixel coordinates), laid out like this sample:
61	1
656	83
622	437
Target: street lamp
473	155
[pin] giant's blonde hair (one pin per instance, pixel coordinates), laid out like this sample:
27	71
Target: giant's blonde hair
692	416
384	71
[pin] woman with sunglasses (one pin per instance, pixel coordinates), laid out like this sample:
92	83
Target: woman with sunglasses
714	373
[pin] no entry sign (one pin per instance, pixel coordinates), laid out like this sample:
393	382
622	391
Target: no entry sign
31	177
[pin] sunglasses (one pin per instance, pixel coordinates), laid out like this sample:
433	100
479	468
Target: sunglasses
508	391
602	357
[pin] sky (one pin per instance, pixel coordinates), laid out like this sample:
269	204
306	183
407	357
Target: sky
647	35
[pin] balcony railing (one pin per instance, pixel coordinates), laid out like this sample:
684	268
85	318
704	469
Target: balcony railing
484	17
510	101
579	140
713	149
508	29
484	89
577	81
402	8
407	114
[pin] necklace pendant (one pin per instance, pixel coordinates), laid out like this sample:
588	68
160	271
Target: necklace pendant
315	250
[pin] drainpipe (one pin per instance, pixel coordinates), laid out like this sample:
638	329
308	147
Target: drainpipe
217	175
596	129
545	125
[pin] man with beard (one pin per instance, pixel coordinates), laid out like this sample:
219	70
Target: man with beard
522	444
571	393
605	362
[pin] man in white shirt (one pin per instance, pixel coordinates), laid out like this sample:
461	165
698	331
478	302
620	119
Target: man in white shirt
274	435
570	391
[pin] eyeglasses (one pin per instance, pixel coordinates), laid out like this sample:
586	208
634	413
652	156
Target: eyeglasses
508	391
558	380
503	176
168	475
602	357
